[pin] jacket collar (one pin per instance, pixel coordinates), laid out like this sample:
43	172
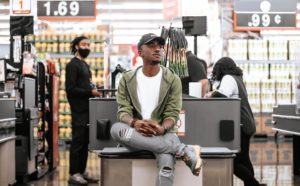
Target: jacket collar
167	79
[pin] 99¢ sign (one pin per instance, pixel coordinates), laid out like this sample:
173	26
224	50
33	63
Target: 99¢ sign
261	21
255	15
66	9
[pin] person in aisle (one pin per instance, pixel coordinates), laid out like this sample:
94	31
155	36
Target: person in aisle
149	101
231	85
79	89
197	69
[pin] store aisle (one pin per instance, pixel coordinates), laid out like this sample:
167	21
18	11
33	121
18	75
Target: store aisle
272	164
60	176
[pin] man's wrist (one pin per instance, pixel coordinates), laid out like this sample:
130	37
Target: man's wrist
165	129
132	123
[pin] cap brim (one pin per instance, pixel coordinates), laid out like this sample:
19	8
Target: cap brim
160	40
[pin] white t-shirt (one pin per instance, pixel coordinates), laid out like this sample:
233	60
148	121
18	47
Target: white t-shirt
228	87
148	92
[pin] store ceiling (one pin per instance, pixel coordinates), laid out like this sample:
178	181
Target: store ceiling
122	1
128	18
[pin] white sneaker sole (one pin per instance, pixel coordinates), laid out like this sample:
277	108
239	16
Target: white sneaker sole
198	166
74	182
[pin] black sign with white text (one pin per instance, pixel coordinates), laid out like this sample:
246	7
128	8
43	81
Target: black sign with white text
263	20
61	9
264	14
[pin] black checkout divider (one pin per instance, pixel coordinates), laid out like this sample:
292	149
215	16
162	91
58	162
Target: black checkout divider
213	122
286	120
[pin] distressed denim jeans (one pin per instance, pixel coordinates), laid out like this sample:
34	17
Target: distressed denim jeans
164	148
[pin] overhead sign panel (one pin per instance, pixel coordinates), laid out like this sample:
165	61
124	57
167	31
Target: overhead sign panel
255	15
66	9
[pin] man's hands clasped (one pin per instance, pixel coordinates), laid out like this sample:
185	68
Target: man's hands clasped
149	128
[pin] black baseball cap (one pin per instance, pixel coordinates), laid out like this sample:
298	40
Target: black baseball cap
147	38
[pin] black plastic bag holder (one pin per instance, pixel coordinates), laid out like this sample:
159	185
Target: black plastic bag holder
226	130
103	129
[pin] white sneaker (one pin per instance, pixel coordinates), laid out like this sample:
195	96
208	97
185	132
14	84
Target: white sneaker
77	179
192	158
89	178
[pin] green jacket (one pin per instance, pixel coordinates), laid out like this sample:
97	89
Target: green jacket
170	97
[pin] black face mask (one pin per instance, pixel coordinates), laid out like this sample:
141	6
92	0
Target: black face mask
155	63
84	52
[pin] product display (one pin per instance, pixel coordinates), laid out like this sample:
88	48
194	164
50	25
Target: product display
262	49
237	49
258	49
269	72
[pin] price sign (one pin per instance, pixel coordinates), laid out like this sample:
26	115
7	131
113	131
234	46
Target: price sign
264	15
21	7
260	21
66	9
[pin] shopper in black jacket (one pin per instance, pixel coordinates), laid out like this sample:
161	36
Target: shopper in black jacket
79	89
197	69
232	86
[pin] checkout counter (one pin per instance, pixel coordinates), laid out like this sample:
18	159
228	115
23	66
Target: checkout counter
7	141
287	121
213	123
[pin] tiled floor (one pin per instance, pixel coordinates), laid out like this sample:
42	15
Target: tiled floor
272	164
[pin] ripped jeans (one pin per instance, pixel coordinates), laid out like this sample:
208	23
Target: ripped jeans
164	148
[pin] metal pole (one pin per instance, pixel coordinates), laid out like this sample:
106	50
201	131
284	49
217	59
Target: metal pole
195	45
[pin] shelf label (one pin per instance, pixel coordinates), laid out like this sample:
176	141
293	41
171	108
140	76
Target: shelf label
180	126
255	15
66	9
21	7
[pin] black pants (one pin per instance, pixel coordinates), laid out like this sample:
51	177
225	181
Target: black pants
79	144
243	168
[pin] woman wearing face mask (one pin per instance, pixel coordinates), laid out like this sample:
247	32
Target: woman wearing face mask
79	89
231	85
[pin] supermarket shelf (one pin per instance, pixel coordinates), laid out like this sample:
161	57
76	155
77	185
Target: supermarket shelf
65	141
92	41
68	55
65	113
92	68
41	157
44	41
267	61
63	101
65	41
97	68
65	126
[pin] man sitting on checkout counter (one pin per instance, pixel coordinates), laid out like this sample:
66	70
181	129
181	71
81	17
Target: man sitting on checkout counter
149	101
231	85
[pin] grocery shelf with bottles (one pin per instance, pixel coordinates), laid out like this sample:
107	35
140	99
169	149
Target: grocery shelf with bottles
56	46
269	68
